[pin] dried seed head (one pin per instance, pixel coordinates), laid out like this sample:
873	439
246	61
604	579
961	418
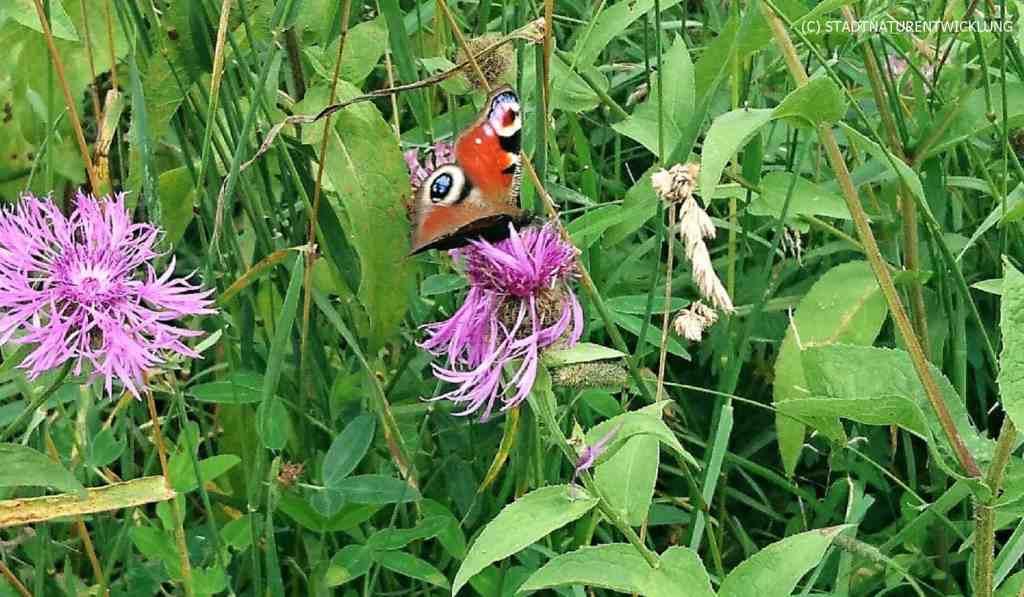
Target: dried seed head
691	322
290	473
532	32
497	65
599	374
676	184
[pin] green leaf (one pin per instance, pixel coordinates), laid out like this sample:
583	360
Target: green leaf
584	352
272	416
183	476
628	476
844	305
636	304
775	570
903	171
240	387
521	524
351	562
409	565
387	539
878	410
1011	361
819	101
645	421
652	336
808	198
588	228
365	165
104	448
364	46
24	12
274	423
21	466
376	489
677	103
640	204
727	135
846	371
176	193
348	449
619	567
611	22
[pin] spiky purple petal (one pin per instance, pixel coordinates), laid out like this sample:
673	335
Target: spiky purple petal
518	272
82	288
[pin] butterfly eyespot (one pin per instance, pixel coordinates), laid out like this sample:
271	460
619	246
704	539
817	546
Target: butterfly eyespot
440	187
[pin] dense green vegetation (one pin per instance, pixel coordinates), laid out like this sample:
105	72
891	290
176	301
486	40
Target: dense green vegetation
800	365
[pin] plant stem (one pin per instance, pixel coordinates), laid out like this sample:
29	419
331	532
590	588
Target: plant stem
663	348
867	238
69	101
17	584
985	514
179	530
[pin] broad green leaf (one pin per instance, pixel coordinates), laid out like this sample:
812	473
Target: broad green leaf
364	46
451	536
879	410
991	286
847	371
157	545
628	476
640	204
301	512
348	449
24	12
727	135
240	387
274	423
376	489
775	570
569	92
1011	361
819	101
521	524
844	305
386	539
609	23
645	421
584	352
183	475
351	562
409	565
808	198
619	567
104	448
366	169
21	466
176	193
677	103
588	228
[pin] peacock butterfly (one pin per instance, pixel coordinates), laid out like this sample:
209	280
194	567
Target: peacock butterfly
478	195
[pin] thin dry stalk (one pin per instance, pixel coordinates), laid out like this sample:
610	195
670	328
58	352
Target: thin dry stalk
14	580
69	100
663	350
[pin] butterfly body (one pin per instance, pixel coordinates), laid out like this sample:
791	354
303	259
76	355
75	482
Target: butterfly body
478	195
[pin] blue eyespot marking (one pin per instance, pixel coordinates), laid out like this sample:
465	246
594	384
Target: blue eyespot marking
440	187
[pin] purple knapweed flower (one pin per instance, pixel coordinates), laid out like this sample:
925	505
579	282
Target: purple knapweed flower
83	289
519	302
442	153
589	454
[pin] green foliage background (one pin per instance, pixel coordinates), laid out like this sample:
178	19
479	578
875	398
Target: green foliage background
798	452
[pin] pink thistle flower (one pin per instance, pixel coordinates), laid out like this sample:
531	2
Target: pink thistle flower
519	303
442	153
82	288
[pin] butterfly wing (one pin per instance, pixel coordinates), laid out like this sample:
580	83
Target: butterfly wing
478	195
